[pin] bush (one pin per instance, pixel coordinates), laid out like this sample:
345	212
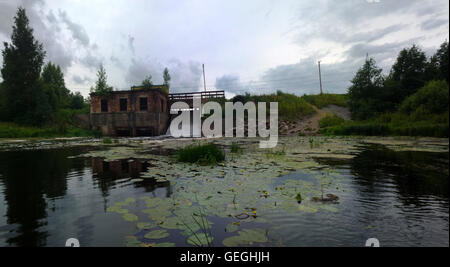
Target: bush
330	120
208	154
107	141
430	99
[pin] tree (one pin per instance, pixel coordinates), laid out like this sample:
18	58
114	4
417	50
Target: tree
366	87
439	63
410	71
55	86
101	85
147	82
22	64
77	101
167	77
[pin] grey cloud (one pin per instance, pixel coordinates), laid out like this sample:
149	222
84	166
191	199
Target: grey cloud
78	31
303	77
186	76
379	52
433	23
131	44
229	83
339	20
79	80
137	72
45	28
91	61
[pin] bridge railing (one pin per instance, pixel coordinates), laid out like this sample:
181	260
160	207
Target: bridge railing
202	95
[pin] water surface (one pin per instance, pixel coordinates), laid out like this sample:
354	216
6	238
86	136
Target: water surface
47	196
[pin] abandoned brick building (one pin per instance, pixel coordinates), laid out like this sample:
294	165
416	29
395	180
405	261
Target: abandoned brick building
138	112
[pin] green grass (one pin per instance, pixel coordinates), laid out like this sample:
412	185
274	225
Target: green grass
324	100
12	130
368	128
208	154
235	148
330	120
290	106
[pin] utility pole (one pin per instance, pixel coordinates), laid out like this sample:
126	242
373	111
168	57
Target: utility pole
204	78
320	79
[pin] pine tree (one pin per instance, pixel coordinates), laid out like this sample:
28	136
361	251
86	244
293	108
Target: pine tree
101	86
22	64
166	77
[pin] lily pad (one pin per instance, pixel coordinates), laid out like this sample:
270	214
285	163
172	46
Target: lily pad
130	217
246	237
157	234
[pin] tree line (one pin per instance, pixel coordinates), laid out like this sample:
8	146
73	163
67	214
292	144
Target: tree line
412	77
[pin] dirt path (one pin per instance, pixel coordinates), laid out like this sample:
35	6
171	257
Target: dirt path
310	124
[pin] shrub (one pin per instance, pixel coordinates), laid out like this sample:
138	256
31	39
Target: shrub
430	99
208	154
107	140
330	120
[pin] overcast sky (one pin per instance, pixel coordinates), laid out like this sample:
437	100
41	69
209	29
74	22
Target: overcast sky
246	45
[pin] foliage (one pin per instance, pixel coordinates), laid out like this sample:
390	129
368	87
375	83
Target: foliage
430	99
235	148
101	85
12	130
166	77
208	154
289	106
362	94
22	63
107	140
324	100
330	120
147	83
409	70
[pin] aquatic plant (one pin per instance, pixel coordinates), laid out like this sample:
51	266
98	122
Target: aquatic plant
235	148
207	154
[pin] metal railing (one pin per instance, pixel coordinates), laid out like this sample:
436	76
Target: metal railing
203	95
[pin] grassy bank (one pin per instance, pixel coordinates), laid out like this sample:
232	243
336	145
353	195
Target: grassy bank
11	130
290	106
324	100
390	125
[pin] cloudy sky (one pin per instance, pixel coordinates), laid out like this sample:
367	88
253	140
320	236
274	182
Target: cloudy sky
246	45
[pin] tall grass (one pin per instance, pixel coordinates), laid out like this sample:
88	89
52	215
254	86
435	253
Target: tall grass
207	154
12	130
324	100
290	106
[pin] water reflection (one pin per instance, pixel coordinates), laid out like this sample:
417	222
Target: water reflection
47	196
34	187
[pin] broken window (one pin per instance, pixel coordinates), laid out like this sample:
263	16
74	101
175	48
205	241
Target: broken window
143	103
104	105
123	104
